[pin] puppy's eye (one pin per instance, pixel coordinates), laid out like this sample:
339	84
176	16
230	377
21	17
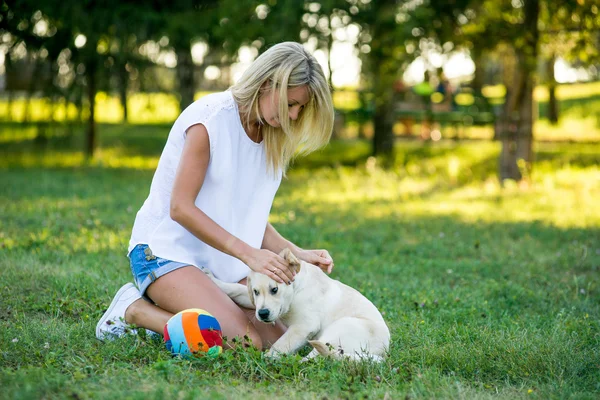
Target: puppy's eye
255	292
274	290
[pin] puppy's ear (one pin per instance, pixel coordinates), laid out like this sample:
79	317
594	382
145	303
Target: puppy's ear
250	292
291	258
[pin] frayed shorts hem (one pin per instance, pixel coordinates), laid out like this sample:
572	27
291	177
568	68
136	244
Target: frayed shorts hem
147	268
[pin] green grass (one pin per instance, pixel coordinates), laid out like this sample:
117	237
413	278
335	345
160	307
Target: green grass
489	291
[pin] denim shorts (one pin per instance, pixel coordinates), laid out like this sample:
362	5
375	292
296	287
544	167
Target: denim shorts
146	267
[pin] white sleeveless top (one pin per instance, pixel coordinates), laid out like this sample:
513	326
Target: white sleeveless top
237	192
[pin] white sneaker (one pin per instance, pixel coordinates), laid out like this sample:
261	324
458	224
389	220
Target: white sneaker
112	324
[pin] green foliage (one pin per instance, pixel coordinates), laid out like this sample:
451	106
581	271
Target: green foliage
489	291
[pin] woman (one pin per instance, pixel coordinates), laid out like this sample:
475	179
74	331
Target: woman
211	195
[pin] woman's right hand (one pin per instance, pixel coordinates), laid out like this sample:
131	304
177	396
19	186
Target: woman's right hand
268	263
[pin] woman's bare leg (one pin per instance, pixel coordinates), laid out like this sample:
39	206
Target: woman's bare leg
189	287
146	315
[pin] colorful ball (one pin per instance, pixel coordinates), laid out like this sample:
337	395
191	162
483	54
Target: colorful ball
193	332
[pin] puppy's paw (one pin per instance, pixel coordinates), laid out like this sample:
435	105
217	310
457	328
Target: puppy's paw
272	354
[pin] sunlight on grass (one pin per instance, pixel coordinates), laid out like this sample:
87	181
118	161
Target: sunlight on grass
108	158
89	239
564	199
563	92
113	158
143	108
449	184
580	129
54	159
85	231
577	129
23	134
568	91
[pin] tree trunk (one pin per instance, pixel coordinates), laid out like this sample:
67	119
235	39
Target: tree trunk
91	130
383	124
516	156
185	76
524	142
479	76
123	86
516	126
384	71
506	133
10	105
9	89
552	102
31	88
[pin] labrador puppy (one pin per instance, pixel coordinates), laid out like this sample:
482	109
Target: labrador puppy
334	318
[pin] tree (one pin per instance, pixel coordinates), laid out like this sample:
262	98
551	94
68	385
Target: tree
92	25
383	58
321	21
388	28
517	119
570	29
91	37
380	44
77	31
518	27
123	43
280	21
183	24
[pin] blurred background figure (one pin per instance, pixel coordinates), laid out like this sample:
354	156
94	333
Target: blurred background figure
445	89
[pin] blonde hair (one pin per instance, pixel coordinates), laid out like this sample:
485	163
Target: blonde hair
285	65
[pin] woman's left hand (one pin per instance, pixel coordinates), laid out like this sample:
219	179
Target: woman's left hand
320	258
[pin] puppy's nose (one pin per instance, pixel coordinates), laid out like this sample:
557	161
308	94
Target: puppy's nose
263	314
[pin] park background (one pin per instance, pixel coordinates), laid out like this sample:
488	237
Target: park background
459	193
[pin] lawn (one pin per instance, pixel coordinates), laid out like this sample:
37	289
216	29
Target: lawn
489	291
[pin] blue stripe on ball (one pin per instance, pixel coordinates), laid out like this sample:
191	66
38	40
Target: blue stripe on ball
177	336
208	322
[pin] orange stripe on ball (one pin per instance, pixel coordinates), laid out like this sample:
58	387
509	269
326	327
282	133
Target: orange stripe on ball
193	336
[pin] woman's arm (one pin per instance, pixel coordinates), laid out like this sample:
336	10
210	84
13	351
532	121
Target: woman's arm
276	243
188	181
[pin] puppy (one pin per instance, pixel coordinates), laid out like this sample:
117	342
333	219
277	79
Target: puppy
335	319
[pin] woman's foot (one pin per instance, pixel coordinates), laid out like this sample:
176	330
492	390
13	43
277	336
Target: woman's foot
112	324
